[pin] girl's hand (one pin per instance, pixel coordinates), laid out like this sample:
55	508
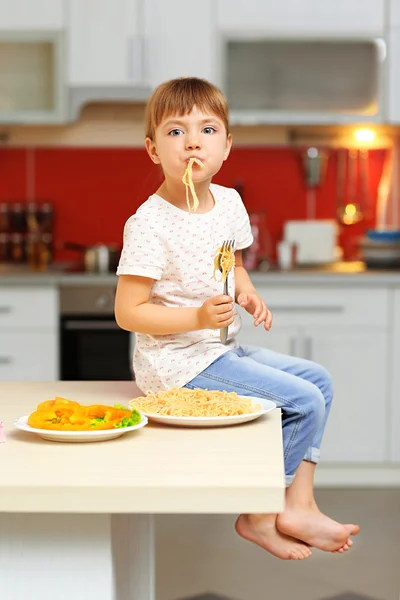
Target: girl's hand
256	307
216	313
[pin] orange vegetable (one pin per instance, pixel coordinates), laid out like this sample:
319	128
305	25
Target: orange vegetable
63	414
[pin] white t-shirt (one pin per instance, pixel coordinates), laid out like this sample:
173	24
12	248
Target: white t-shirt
177	249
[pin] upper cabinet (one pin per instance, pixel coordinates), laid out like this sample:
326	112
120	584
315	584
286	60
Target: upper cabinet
394	13
393	88
182	40
107	43
308	17
286	62
31	15
32	61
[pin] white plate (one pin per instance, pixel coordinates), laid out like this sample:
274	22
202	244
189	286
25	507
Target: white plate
77	436
266	406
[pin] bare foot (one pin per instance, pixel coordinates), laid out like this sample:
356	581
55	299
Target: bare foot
261	530
316	529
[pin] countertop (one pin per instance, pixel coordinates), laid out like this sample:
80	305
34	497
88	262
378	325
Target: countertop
153	470
342	273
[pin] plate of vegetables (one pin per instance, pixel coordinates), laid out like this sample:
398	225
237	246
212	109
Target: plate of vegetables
62	420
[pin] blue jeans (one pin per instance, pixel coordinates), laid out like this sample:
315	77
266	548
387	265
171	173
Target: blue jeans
300	388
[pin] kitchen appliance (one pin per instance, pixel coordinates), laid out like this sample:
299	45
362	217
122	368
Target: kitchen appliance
92	346
97	258
315	240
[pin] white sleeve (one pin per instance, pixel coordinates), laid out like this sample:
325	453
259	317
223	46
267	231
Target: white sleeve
244	236
143	252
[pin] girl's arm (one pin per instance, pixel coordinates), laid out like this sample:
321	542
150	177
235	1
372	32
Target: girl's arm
134	312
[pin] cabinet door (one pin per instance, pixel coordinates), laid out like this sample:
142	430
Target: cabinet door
181	45
28	356
395	381
394	13
106	40
357	427
28	15
308	17
280	338
394	76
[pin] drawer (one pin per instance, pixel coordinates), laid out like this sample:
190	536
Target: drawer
28	308
327	306
28	356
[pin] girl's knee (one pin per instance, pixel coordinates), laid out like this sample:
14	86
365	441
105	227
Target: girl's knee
315	406
323	380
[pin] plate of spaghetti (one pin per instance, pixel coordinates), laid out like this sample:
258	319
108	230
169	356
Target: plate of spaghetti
200	408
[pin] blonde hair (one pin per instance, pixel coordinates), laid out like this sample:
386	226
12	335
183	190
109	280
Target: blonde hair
179	96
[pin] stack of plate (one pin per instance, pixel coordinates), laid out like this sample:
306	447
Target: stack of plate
381	249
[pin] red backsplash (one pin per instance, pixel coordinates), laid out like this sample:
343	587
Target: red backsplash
95	190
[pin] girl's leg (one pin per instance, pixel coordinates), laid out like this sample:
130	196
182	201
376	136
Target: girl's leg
301	507
302	407
305	369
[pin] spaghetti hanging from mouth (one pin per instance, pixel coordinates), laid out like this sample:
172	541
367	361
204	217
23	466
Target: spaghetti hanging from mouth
188	181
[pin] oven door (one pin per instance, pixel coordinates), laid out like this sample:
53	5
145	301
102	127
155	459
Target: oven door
95	348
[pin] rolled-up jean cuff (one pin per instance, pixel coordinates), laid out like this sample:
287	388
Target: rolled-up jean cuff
288	480
313	455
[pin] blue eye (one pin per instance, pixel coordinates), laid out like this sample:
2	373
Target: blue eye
209	130
175	132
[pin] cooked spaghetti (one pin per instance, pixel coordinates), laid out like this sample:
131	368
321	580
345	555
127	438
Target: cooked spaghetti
183	402
224	258
188	181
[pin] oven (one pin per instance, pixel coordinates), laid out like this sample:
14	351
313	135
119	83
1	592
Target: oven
92	346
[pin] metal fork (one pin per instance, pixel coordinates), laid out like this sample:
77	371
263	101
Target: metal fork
227	245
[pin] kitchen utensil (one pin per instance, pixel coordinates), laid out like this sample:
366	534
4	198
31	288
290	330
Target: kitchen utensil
99	258
365	199
314	166
351	212
228	245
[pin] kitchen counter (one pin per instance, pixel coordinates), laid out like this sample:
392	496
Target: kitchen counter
87	509
343	273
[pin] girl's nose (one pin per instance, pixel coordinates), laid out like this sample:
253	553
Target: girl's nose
193	144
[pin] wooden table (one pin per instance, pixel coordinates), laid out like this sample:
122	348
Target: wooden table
76	520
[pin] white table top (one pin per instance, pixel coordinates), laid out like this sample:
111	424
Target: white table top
156	469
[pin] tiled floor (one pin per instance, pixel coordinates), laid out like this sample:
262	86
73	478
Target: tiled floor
200	555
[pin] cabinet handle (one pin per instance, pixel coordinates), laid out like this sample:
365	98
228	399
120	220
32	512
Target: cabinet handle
5	360
308	347
76	325
135	57
5	310
325	309
292	347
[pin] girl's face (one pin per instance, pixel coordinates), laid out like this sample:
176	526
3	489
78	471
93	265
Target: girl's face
179	138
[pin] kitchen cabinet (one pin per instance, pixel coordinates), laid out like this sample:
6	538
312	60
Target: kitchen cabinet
107	42
335	330
394	13
182	41
393	100
309	17
28	15
28	356
28	334
395	380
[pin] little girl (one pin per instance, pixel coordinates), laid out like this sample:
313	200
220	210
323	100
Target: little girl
167	295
